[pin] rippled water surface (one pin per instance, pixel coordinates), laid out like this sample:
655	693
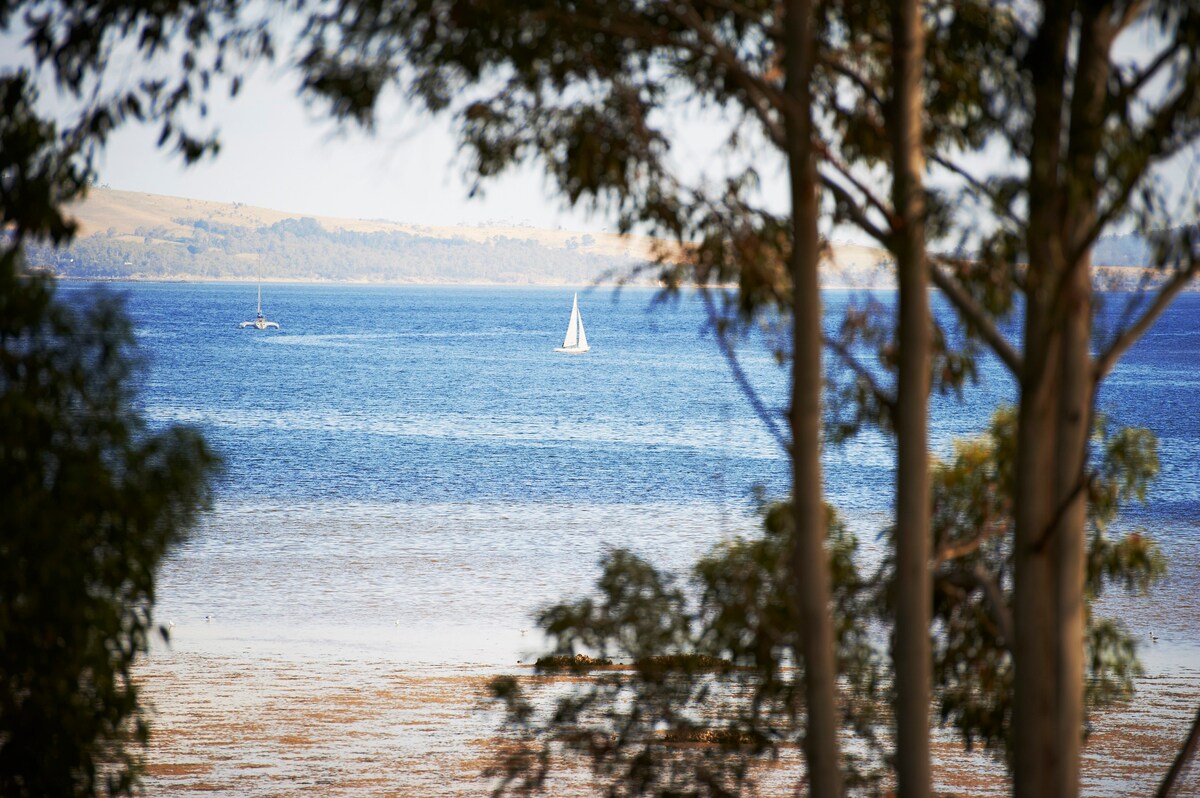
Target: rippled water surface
412	471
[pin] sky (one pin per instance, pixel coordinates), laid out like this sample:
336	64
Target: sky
279	152
276	152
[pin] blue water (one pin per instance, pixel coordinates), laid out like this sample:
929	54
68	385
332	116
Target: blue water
415	468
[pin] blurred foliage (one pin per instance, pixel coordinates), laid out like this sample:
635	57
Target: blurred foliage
710	683
91	501
90	504
734	695
972	543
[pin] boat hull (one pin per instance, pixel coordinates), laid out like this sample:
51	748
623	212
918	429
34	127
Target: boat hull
572	350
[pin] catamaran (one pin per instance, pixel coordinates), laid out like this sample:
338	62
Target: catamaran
576	341
260	321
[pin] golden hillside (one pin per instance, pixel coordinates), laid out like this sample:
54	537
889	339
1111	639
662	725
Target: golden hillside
125	211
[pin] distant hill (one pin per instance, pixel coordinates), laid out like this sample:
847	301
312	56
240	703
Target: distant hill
132	235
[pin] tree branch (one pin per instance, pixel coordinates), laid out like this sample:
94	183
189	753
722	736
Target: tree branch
838	66
878	391
872	199
1153	145
953	551
1106	361
979	579
758	89
739	375
854	210
1148	74
1187	753
975	316
978	185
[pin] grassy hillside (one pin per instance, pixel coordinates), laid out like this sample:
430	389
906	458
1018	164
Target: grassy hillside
132	235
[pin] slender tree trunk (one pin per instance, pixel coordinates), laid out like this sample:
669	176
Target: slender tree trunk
810	561
1057	396
1035	758
1088	97
911	650
1036	754
1074	413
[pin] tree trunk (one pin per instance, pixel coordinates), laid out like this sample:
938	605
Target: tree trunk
1057	396
1088	97
810	561
911	650
1074	413
1036	752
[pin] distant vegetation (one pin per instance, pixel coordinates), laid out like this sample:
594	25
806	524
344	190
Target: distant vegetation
302	249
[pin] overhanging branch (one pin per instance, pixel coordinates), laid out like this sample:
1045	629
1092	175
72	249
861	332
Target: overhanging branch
1108	360
975	316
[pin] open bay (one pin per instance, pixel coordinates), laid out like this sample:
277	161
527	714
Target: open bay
412	471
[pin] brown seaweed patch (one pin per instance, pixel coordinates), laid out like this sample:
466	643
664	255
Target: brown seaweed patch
580	663
297	740
684	663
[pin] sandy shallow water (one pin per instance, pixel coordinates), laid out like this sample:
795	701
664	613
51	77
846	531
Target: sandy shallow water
237	725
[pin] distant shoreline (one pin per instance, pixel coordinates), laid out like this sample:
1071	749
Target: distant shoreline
1193	287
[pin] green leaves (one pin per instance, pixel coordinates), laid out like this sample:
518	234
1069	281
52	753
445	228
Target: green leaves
703	682
90	504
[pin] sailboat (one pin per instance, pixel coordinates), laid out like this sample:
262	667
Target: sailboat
576	341
260	321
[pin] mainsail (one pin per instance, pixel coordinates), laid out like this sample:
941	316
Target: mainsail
576	340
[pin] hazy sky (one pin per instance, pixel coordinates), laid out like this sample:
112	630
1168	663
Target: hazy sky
278	153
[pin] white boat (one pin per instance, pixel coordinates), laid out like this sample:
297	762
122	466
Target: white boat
260	321
576	341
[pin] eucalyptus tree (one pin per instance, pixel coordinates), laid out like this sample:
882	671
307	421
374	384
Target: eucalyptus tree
1090	127
91	501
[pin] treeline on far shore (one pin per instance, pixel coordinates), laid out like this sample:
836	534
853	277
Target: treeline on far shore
301	249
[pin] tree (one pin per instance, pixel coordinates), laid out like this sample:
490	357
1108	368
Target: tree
1087	153
911	647
581	87
91	504
90	500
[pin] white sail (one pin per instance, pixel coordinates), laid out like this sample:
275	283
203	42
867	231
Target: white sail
575	342
582	342
573	327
